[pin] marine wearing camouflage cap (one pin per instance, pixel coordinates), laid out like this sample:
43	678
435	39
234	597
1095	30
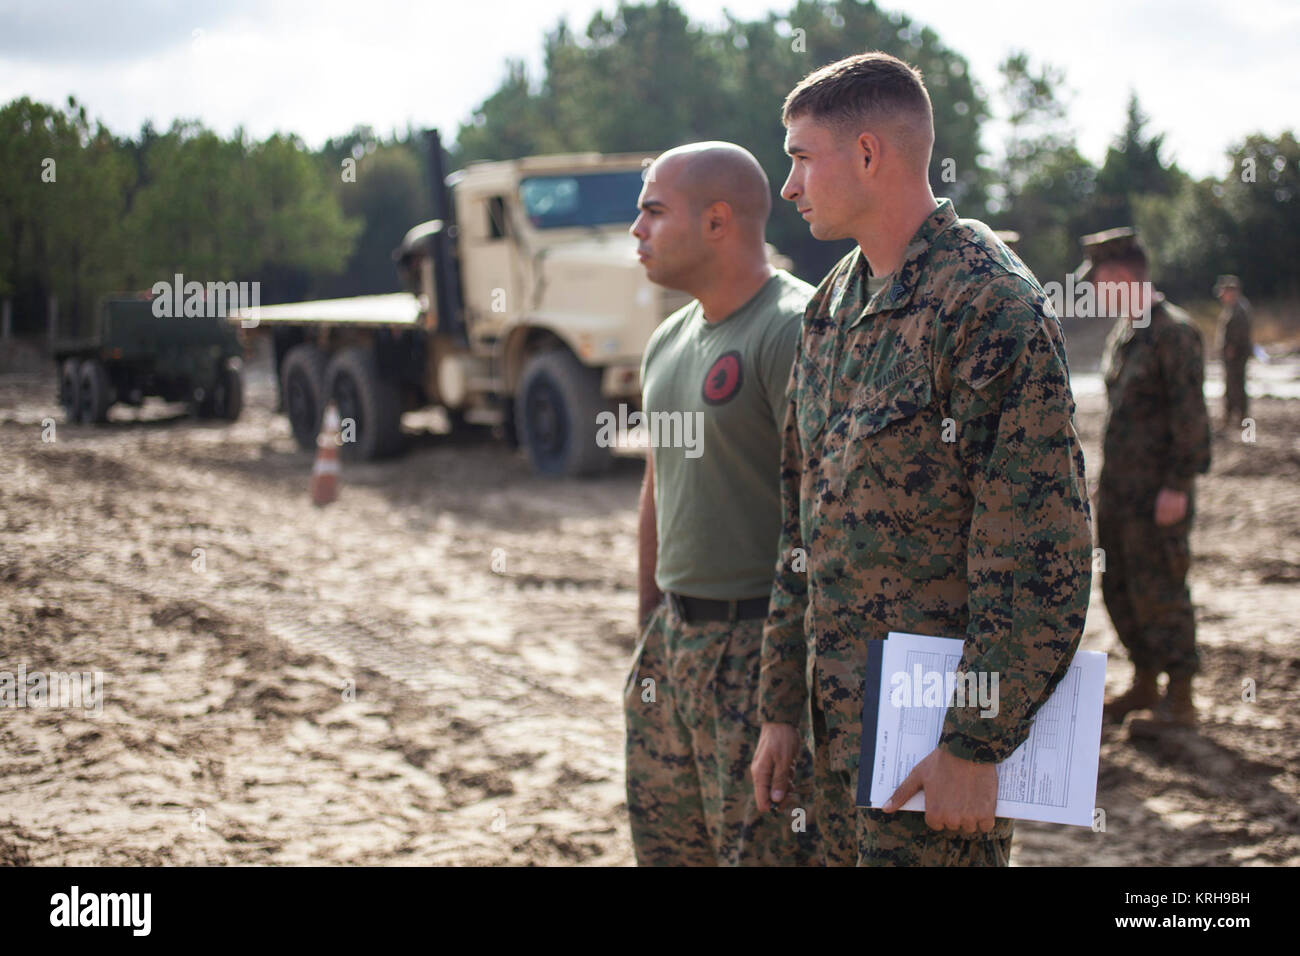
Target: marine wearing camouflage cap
1235	347
1108	246
1156	441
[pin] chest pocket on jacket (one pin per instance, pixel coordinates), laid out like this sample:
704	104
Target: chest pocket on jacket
874	409
888	445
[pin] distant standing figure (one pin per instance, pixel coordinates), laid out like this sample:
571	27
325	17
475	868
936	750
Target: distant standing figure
1157	439
1235	348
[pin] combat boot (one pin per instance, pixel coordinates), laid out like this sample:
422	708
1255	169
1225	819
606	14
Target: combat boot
1178	708
1141	695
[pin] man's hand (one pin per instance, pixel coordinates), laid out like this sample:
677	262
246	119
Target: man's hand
959	794
773	759
1171	507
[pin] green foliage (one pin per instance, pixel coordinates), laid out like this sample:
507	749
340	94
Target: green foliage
295	221
1266	209
1045	188
122	215
227	209
1036	121
390	194
1052	211
126	213
191	215
1194	230
61	208
1191	237
1133	167
644	79
1245	224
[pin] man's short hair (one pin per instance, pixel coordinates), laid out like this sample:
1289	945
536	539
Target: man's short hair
862	89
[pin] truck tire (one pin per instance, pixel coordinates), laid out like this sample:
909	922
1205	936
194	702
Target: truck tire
96	391
358	388
302	386
555	415
227	399
70	390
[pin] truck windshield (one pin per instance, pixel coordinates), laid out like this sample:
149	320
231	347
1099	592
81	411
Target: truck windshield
585	199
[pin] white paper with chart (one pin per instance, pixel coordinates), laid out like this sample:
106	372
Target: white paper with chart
1051	777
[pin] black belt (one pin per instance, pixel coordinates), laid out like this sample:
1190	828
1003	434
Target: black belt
692	609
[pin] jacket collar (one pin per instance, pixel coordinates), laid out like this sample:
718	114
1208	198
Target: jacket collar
899	291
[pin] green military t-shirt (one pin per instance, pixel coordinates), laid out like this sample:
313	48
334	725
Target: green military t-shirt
717	465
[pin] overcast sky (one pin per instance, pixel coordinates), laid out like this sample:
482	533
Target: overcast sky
1207	71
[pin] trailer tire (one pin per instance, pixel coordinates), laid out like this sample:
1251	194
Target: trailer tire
302	387
361	393
95	392
555	415
70	390
227	398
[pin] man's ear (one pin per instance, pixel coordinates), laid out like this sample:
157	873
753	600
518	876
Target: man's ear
868	150
717	218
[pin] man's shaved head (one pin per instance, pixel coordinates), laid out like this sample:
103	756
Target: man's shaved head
704	209
710	172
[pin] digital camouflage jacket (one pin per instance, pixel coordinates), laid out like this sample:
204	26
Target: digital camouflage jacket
932	482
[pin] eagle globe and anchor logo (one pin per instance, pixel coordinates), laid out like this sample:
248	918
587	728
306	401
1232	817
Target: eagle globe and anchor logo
724	378
663	429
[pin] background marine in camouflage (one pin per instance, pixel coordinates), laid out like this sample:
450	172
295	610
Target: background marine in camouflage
1157	439
1235	348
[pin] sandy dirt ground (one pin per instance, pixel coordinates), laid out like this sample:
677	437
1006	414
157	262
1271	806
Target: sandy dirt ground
429	670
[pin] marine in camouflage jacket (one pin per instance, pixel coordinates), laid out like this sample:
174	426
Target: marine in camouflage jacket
1157	427
1234	339
932	482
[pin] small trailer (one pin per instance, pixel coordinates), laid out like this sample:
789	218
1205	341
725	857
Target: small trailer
132	354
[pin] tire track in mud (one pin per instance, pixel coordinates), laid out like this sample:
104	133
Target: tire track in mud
448	657
362	640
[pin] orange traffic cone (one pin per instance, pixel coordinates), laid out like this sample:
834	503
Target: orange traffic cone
325	473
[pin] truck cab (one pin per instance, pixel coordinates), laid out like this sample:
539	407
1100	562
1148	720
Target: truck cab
555	308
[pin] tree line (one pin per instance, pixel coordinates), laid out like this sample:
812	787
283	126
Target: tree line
84	211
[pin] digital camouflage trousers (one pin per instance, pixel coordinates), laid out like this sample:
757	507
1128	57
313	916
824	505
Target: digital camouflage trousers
691	705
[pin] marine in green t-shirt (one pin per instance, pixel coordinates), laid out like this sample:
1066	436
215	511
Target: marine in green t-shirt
714	382
717	496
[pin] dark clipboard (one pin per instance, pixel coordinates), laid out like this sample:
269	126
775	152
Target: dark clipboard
870	719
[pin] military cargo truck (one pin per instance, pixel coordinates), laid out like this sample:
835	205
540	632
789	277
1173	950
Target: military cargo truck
526	308
131	354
